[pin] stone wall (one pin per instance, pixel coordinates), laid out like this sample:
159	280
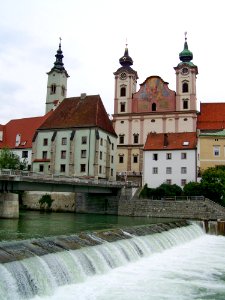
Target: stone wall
186	209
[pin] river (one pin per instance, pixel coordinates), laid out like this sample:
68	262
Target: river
182	263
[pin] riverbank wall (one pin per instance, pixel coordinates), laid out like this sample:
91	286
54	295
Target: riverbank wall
128	203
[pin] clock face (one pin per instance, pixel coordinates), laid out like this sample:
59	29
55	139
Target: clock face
123	75
185	71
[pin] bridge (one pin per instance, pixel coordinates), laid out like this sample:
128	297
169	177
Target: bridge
12	181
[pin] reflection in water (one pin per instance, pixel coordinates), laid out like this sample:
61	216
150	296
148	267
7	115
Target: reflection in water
34	224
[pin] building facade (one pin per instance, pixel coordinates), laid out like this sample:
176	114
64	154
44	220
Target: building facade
78	139
170	158
153	108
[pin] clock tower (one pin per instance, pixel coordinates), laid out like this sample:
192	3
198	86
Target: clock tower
186	74
57	82
125	85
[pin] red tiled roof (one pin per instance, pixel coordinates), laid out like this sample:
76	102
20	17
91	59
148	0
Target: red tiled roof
171	141
212	116
25	128
77	112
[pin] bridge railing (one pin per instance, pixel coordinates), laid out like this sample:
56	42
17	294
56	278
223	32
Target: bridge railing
58	177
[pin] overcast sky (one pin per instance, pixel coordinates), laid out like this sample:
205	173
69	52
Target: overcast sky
94	34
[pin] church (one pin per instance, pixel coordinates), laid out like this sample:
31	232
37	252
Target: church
154	108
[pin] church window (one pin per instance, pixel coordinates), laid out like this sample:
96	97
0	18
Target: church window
136	136
63	168
123	92
121	139
63	91
122	107
185	103
153	106
44	154
53	89
135	159
121	159
185	87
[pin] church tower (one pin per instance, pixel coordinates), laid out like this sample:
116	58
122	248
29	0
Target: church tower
186	73
57	82
125	85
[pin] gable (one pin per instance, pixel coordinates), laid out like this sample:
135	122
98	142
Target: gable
154	95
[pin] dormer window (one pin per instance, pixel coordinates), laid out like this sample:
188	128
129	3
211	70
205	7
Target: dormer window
185	87
53	88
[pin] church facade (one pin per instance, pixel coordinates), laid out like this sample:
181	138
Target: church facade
154	108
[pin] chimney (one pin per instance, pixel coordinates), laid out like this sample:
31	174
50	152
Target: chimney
83	96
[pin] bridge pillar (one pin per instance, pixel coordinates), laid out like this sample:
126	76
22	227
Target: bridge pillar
9	206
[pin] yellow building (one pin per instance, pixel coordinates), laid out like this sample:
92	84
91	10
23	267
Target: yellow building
211	149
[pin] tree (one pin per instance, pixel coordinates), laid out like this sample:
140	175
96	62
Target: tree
213	184
9	160
192	189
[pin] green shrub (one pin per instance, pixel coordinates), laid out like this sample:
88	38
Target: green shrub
46	201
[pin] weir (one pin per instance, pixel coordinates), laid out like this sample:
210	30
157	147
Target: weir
37	267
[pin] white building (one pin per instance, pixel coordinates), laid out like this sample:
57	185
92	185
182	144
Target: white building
170	158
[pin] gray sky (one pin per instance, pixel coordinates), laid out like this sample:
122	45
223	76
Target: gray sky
94	34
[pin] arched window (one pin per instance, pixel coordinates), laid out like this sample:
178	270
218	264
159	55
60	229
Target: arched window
185	87
123	92
153	106
53	89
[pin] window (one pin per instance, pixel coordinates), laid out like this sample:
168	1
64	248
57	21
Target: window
111	172
153	120
83	153
101	141
83	140
168	181
136	136
63	154
183	170
168	155
45	142
185	87
121	159
155	156
112	146
64	141
63	91
100	154
41	168
121	139
123	92
185	103
155	170
183	155
53	89
24	154
63	168
216	150
168	170
112	159
83	168
122	107
44	154
183	182
135	159
153	106
100	169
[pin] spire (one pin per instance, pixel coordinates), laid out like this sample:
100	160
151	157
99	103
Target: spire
126	60
186	55
58	64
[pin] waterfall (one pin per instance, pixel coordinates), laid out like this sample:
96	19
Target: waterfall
41	275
